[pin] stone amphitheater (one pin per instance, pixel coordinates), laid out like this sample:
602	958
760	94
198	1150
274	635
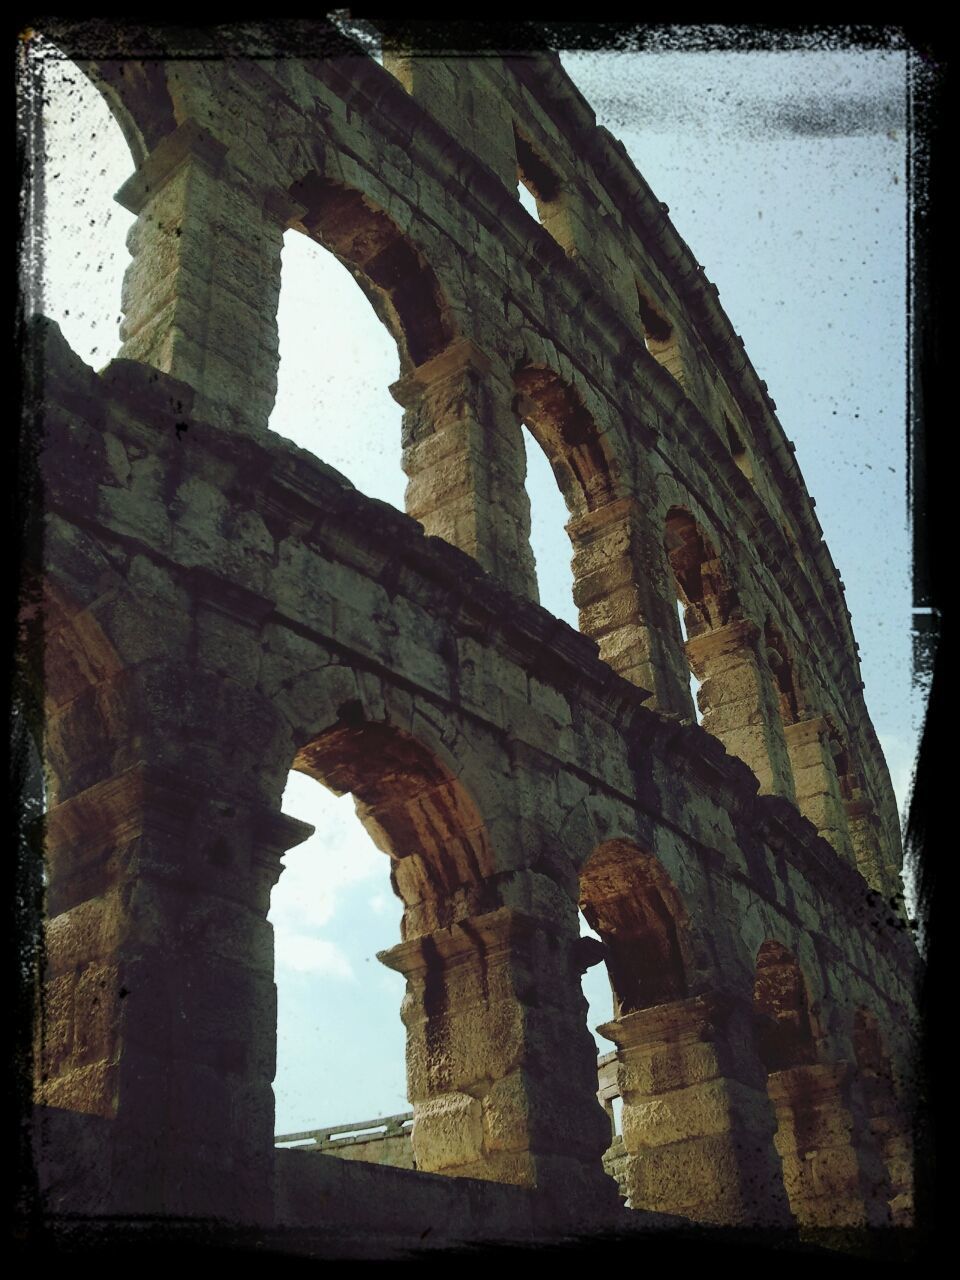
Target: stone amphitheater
211	606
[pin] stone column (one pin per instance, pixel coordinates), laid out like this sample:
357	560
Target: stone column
501	1069
160	1007
739	701
697	1123
464	458
809	743
868	847
200	296
890	1130
831	1168
626	605
607	1088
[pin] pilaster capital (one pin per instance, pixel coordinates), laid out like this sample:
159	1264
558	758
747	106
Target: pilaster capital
861	808
189	143
812	1084
491	937
733	637
803	732
626	509
695	1018
460	358
155	819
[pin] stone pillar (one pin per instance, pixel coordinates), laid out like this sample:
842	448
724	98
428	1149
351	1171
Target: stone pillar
831	1168
811	747
626	606
739	701
890	1130
160	1007
464	458
697	1123
501	1069
200	296
607	1088
867	845
471	91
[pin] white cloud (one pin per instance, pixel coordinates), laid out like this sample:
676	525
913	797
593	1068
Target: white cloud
338	855
303	954
383	903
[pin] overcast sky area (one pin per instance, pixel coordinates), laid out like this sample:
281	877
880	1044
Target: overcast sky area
785	173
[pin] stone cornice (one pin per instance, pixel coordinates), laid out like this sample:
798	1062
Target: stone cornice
189	142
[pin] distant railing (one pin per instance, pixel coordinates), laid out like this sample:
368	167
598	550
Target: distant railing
344	1135
399	1126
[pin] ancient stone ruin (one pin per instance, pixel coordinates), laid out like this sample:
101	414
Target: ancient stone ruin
214	606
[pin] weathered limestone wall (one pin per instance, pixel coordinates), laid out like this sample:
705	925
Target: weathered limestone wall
221	607
597	325
196	650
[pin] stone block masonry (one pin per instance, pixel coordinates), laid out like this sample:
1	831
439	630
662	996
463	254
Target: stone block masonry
220	607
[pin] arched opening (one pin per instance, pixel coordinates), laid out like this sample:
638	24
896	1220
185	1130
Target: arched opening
71	670
737	697
705	599
551	552
784	1030
778	659
738	450
627	899
832	1171
557	419
660	336
630	906
340	1036
400	285
541	192
340	1043
570	474
694	682
342	347
74	272
704	590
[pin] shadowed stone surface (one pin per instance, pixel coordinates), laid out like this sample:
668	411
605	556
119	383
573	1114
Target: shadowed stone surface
219	607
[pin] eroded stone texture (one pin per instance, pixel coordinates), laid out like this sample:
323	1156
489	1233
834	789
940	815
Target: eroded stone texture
220	607
697	1125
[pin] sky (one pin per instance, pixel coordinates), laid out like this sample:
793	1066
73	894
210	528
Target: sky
785	173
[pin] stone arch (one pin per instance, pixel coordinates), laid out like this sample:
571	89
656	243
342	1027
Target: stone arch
737	695
139	100
617	598
781	664
414	809
73	670
551	193
785	1029
393	273
660	336
831	1166
706	591
631	902
580	454
680	1054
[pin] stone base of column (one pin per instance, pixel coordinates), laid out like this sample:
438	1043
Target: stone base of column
833	1175
697	1126
500	1067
